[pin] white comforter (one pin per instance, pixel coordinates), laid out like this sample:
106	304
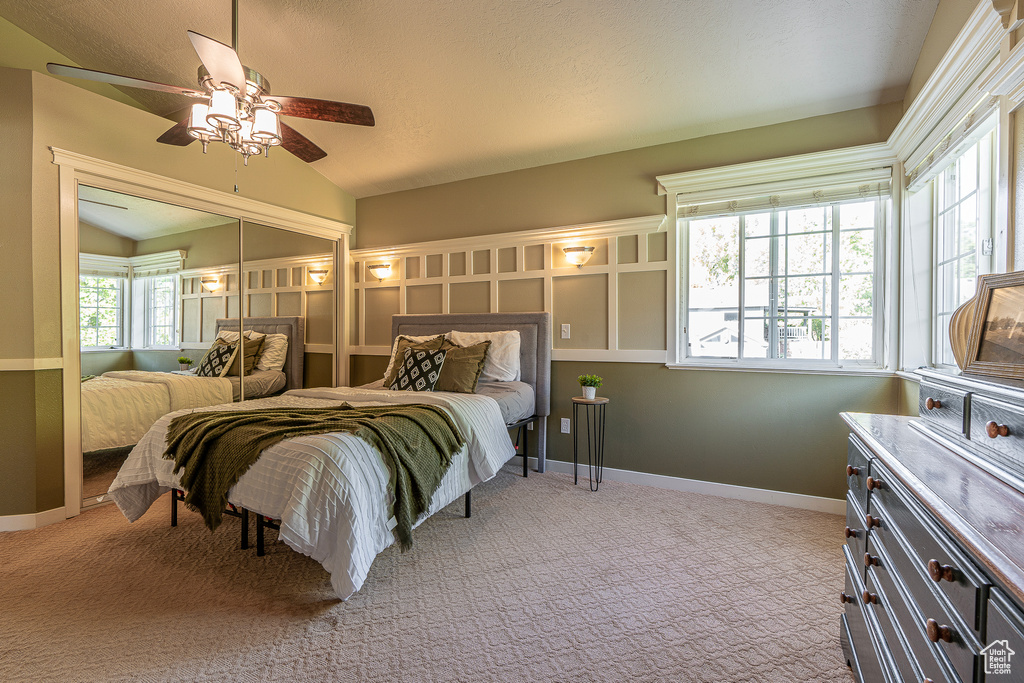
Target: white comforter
329	490
119	407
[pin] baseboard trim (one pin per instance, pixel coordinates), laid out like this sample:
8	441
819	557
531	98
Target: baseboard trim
793	500
34	521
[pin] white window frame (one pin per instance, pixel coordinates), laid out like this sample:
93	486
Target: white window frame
882	207
142	313
122	307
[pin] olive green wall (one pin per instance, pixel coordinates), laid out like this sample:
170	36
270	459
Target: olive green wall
39	112
777	431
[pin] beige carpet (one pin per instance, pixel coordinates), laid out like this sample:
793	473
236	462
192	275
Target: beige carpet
546	582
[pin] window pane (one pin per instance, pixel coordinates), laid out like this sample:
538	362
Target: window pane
803	220
714	287
947	294
803	295
855	339
757	224
857	251
855	297
804	338
107	337
968	167
755	337
807	254
859	215
756	257
968	228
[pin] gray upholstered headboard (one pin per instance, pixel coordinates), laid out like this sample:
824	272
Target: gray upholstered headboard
534	332
293	327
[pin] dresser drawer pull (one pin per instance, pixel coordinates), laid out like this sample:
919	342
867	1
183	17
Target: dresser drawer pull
844	598
851	533
937	633
869	598
873	484
995	430
932	403
938	571
869	560
871	521
852	471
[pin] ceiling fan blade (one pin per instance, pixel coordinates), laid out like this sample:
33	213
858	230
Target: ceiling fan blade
177	135
324	110
299	145
220	60
115	79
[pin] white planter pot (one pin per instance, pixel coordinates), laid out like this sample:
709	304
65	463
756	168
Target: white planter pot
589	393
183	366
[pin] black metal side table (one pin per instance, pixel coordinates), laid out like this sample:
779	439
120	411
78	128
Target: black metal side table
593	409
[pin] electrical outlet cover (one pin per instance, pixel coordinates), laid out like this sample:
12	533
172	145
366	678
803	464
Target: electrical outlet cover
565	425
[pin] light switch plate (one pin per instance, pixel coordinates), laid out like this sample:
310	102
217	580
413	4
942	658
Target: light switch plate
565	425
565	331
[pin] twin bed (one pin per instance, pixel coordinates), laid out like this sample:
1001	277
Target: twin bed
329	491
119	407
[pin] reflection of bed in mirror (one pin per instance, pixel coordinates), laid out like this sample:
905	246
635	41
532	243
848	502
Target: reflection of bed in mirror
119	407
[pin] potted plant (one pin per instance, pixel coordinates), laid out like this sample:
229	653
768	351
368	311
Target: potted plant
184	362
590	383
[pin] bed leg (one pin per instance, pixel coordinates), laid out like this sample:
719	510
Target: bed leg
542	443
174	507
259	536
469	501
245	528
526	451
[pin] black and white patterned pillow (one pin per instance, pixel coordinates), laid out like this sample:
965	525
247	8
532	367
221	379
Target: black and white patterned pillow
420	370
217	360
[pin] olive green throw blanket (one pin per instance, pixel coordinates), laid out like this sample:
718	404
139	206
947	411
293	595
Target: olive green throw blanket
212	450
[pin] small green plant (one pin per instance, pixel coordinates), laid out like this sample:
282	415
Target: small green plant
184	360
590	381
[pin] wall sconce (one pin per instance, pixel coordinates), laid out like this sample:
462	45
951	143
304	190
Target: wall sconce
318	276
578	255
380	270
210	284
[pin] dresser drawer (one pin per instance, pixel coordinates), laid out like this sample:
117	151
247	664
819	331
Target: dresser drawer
1005	623
999	426
862	657
939	659
901	524
877	598
856	536
857	466
944	406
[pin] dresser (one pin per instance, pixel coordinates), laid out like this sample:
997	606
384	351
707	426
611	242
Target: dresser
935	537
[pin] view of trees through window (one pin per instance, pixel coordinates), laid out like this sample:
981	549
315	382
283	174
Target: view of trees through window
99	305
805	277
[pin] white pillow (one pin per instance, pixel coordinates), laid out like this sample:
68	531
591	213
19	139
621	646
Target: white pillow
229	336
394	348
275	352
502	361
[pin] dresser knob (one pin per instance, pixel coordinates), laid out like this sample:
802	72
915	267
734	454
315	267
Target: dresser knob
938	571
873	484
869	598
994	430
932	403
852	471
937	633
869	560
844	598
850	533
871	521
927	680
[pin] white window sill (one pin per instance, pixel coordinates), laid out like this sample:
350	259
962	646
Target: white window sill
101	349
791	369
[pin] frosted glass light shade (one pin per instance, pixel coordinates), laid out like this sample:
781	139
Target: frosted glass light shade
380	270
578	255
198	126
223	111
266	128
318	276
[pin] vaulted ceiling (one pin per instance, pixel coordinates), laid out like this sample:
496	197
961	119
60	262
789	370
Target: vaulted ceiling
462	89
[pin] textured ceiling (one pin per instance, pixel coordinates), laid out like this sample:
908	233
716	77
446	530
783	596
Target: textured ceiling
463	89
137	218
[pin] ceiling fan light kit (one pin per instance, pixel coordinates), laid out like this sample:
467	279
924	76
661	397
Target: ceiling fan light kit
234	104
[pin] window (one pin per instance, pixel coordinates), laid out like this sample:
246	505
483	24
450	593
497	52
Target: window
155	323
100	300
795	284
963	236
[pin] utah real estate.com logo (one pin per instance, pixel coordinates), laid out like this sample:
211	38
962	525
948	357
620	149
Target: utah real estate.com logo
997	657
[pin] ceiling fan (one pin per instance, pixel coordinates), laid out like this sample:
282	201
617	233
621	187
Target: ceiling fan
235	105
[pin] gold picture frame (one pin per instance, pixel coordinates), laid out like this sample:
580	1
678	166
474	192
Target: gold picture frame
995	337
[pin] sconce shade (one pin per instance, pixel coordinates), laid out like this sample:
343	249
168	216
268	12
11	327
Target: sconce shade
380	270
210	283
578	255
318	276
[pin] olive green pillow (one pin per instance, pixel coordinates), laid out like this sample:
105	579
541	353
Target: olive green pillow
462	367
253	347
398	354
